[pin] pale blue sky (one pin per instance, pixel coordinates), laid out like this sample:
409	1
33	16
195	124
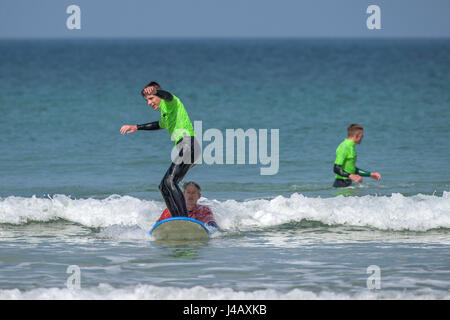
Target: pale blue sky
224	18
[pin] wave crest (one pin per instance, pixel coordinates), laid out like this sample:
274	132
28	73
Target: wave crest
150	292
395	212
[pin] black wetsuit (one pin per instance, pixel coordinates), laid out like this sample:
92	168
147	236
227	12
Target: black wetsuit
341	183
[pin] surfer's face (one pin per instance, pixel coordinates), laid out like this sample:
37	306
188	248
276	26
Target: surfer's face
191	194
359	136
153	101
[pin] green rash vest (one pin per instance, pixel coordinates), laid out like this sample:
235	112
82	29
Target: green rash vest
175	119
346	158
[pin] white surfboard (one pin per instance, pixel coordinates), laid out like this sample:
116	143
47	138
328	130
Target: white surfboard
179	229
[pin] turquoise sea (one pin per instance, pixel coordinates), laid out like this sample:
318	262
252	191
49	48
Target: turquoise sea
75	192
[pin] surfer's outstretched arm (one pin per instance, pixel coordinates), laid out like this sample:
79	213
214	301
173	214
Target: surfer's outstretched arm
149	126
146	126
128	129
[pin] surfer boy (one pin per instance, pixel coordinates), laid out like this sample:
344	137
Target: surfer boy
344	165
175	119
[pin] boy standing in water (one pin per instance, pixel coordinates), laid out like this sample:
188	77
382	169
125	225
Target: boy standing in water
175	119
344	165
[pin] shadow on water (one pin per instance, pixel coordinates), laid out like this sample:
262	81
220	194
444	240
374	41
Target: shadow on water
186	250
347	192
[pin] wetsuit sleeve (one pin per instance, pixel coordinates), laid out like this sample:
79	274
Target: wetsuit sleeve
149	126
164	95
363	173
339	171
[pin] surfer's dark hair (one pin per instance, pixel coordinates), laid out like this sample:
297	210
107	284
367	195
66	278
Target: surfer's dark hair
191	183
151	84
353	129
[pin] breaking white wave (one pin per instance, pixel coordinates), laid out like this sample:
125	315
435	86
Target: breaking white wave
150	292
395	212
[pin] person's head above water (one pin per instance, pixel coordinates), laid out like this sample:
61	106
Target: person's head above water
355	132
192	192
149	94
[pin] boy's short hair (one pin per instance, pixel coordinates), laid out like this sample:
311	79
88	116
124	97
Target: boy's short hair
353	129
151	84
191	183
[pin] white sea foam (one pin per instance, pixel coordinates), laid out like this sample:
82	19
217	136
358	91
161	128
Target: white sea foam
150	292
395	212
114	210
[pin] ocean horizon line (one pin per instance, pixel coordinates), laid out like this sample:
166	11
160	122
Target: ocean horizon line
195	38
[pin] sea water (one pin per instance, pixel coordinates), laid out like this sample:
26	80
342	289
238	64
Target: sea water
77	195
